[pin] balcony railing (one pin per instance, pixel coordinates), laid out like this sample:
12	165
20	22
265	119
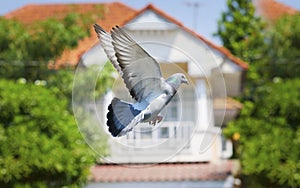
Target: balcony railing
165	138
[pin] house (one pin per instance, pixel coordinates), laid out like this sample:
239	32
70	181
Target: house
190	131
189	141
271	10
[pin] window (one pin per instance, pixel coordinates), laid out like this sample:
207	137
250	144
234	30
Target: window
164	132
224	145
146	133
173	109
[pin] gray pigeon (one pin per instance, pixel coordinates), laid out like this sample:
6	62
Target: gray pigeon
142	76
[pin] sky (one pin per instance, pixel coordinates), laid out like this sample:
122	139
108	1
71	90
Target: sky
207	13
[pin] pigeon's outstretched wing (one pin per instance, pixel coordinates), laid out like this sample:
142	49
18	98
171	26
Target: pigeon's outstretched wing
140	72
107	45
142	76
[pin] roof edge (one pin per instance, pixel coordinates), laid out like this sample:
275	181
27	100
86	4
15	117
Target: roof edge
221	49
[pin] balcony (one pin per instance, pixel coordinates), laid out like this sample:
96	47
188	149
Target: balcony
153	143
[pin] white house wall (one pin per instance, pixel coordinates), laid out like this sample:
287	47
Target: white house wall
180	46
177	46
94	56
150	21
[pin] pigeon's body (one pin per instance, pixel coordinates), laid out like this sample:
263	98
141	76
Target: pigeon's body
143	78
158	103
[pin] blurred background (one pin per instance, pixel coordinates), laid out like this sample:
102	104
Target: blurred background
236	126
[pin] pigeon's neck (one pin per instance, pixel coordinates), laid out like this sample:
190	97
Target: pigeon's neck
175	84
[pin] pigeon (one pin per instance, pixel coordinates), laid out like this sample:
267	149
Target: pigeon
143	78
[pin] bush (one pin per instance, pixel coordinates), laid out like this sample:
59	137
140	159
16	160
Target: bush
40	143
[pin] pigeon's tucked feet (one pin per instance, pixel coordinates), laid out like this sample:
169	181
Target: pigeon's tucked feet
156	120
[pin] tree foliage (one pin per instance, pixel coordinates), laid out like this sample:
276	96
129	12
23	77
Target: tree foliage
40	142
90	83
269	129
13	37
240	30
42	41
268	125
284	48
27	50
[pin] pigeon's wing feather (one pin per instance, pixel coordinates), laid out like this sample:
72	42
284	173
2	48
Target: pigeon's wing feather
106	43
141	73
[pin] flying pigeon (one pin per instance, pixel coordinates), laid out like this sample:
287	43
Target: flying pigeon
143	78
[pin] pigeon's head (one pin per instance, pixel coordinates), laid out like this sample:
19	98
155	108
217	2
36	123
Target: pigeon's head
177	79
183	79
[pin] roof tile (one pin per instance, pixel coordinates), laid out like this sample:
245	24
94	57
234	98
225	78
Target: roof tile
271	10
114	14
221	49
162	172
227	103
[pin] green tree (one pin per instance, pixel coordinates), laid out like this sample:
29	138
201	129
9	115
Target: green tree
13	37
269	121
26	51
51	37
283	54
40	142
269	129
89	85
91	82
41	41
241	31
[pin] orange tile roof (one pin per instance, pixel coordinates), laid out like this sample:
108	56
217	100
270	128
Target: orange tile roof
114	14
221	49
271	10
162	172
227	103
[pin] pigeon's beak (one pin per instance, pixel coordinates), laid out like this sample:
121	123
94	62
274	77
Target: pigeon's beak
186	81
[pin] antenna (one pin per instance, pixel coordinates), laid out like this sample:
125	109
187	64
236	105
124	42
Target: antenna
195	6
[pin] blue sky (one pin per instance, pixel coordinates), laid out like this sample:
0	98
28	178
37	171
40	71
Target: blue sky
207	14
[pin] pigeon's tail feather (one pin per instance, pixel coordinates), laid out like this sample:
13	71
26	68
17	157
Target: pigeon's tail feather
122	117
